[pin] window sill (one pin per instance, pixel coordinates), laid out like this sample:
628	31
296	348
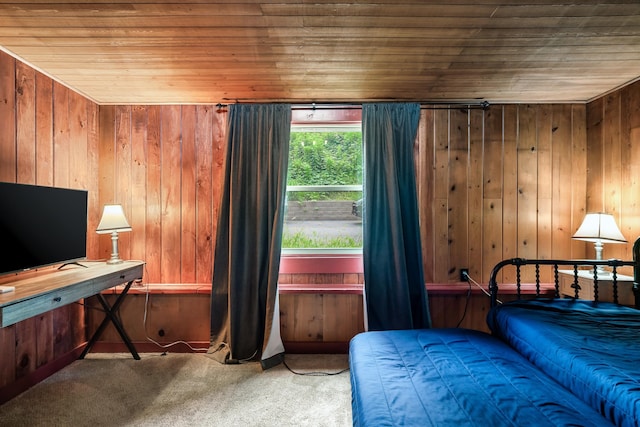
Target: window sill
315	288
163	289
457	288
462	288
318	264
442	289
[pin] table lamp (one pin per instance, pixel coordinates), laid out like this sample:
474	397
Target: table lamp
599	228
113	221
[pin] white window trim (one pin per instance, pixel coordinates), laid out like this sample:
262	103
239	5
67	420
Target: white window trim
323	258
324	188
343	127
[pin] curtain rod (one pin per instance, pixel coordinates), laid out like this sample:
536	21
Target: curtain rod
483	105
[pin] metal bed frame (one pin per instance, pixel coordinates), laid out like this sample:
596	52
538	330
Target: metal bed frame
575	264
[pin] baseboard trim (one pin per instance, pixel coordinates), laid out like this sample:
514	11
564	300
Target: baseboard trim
289	347
149	347
22	384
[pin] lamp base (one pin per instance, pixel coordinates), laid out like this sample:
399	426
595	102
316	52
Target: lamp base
602	273
600	269
115	258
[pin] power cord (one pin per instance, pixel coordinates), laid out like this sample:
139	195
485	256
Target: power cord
470	280
314	374
164	346
144	320
466	302
486	292
144	325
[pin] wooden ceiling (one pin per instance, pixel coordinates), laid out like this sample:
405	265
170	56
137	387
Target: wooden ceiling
172	52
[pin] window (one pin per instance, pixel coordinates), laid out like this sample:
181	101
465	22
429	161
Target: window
324	190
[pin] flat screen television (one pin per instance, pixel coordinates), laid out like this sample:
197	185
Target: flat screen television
41	226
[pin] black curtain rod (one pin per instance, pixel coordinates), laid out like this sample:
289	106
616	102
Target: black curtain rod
484	105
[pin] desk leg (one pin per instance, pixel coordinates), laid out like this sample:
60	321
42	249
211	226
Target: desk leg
110	316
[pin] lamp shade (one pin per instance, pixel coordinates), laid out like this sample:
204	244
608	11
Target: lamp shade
599	227
113	219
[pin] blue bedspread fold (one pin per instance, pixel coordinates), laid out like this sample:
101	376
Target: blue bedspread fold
454	377
591	349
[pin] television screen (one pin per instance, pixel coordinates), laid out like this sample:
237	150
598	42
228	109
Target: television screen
41	226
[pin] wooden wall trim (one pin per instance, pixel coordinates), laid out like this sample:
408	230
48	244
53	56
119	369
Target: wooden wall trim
149	347
328	264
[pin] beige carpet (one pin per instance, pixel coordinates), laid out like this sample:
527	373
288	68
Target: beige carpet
186	390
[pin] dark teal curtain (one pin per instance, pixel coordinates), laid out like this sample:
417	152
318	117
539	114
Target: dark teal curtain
244	300
395	293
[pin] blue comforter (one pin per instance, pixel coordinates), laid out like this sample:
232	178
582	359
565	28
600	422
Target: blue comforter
454	377
593	350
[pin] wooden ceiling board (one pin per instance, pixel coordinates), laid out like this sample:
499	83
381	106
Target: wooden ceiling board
172	52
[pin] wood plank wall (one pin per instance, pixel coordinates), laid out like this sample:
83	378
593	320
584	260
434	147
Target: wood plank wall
48	136
613	163
501	183
515	180
492	184
164	164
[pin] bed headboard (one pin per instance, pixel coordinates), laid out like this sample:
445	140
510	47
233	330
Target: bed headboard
574	265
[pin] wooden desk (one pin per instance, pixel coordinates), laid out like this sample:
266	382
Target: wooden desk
38	292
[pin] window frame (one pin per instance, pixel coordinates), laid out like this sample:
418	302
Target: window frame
324	260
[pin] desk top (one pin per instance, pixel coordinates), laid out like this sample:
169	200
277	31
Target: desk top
40	291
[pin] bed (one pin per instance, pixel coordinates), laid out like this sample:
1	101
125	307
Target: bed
592	350
454	377
560	361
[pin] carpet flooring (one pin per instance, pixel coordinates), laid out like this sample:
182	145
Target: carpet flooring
178	389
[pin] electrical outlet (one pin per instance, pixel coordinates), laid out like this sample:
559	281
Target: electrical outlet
464	274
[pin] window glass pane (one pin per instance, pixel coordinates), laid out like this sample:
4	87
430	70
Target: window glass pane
324	189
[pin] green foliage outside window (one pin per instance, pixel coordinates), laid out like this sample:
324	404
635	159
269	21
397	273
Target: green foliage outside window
304	240
325	158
